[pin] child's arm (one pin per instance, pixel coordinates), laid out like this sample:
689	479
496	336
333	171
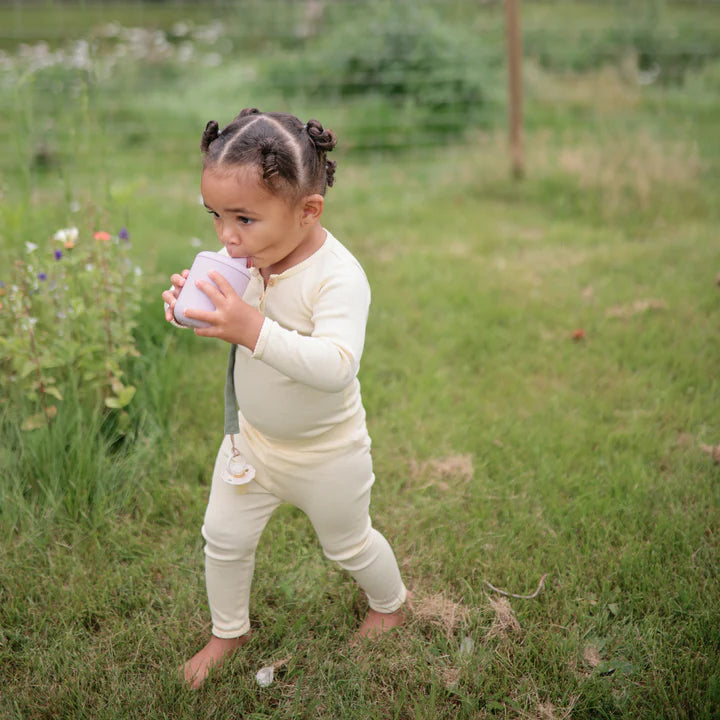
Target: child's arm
327	360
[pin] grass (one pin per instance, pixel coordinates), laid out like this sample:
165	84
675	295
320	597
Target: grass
504	449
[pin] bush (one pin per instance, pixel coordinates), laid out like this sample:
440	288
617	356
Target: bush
66	320
424	72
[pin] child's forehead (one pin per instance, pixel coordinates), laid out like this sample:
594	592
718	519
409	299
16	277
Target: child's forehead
239	183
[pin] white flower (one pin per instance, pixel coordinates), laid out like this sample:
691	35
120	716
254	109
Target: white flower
138	271
66	235
196	242
89	267
30	247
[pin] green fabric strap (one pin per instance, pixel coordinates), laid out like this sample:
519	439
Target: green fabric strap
232	426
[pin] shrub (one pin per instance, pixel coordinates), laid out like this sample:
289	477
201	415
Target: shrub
424	71
66	319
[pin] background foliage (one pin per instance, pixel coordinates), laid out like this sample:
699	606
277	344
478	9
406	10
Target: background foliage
540	372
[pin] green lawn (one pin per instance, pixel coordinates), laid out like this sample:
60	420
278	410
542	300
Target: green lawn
541	381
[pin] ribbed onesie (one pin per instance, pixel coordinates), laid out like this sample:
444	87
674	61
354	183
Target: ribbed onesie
302	426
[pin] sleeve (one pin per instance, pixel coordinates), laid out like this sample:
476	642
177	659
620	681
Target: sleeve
329	358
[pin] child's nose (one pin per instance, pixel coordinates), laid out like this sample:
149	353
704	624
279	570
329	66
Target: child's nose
227	233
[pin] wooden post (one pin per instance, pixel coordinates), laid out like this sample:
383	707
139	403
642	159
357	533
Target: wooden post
514	56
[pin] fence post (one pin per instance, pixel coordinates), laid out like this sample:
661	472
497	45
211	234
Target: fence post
514	63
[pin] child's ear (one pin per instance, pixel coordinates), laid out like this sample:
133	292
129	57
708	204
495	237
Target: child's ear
312	208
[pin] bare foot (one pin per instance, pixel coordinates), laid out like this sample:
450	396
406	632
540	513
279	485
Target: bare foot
377	623
198	667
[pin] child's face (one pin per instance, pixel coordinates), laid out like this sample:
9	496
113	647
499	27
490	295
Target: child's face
250	221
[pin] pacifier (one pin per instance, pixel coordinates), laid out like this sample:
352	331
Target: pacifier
238	471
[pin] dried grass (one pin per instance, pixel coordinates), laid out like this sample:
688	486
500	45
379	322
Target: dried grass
635	308
441	611
504	622
631	167
443	472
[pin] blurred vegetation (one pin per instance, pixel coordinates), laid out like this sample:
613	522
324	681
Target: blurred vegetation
540	370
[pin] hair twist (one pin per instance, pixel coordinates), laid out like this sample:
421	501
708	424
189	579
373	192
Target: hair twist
246	112
330	166
270	162
211	132
324	140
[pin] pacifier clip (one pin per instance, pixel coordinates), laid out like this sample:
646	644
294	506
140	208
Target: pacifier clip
238	471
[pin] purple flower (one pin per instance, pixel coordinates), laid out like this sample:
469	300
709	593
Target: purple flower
58	254
42	276
124	234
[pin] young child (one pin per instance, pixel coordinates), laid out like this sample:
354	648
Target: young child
293	405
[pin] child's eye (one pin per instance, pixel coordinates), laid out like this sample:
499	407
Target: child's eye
244	220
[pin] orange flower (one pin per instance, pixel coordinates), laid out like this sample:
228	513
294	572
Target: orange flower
69	244
578	334
102	235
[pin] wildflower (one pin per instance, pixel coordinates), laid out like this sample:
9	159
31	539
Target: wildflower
89	267
66	234
30	247
123	234
42	276
102	235
58	254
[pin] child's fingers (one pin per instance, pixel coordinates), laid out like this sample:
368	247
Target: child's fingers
207	331
178	280
225	287
169	297
207	316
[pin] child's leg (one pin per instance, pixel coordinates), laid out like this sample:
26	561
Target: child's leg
233	524
336	498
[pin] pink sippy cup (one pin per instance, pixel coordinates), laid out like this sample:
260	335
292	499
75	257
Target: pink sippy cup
234	270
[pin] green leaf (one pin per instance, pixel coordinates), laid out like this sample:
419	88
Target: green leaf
54	392
122	399
27	367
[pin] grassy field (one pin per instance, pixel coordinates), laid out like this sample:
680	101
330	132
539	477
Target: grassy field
540	375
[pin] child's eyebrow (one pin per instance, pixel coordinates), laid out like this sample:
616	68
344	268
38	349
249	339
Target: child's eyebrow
238	210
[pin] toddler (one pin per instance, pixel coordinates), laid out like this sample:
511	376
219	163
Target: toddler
293	412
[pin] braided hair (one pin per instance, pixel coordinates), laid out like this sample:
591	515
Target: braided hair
291	157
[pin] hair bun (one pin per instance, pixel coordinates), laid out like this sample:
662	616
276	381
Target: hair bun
323	139
211	132
248	111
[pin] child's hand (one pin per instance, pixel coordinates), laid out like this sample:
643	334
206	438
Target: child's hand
233	320
170	296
